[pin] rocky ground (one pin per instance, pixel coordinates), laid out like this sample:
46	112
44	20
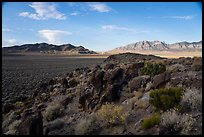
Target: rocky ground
112	98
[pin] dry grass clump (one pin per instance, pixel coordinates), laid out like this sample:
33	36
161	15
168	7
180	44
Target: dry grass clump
174	123
176	68
111	114
53	111
191	100
83	127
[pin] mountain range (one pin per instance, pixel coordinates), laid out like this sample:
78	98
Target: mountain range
162	46
48	48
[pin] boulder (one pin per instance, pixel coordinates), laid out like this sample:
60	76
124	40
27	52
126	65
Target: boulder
138	82
114	76
108	66
31	125
160	79
97	79
64	82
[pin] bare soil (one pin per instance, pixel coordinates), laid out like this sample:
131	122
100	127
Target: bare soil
21	74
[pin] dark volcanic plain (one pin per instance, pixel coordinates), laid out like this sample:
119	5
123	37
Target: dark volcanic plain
22	74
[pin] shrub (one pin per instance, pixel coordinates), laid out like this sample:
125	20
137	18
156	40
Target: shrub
191	100
73	83
153	69
164	99
151	121
173	123
83	127
111	114
176	68
54	125
53	111
197	64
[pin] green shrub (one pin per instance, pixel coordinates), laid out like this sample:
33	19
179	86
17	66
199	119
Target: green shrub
151	121
164	99
73	83
153	69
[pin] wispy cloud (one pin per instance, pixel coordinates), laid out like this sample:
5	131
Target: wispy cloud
180	17
53	36
43	11
115	27
99	7
5	29
74	13
120	28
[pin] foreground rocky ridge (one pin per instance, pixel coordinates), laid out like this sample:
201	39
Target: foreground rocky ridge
85	101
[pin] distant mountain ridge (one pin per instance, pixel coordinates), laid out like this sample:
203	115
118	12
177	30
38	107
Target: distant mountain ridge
162	46
48	48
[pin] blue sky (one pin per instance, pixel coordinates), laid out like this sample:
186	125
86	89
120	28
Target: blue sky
100	26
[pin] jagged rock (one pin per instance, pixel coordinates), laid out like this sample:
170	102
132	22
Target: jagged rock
44	86
51	82
31	125
7	107
64	82
66	101
97	80
108	66
114	76
160	79
132	70
85	95
138	82
112	93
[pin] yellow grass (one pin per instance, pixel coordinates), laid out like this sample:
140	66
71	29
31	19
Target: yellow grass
167	54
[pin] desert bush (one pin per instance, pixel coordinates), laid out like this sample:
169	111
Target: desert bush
197	64
176	68
54	125
153	69
191	100
53	111
167	98
174	123
111	114
72	83
151	121
83	127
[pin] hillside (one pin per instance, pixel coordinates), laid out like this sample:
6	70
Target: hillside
128	94
47	48
162	46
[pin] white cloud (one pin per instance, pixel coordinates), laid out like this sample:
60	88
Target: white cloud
100	7
10	42
43	11
53	36
180	17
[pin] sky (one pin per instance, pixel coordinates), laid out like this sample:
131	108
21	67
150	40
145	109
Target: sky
100	26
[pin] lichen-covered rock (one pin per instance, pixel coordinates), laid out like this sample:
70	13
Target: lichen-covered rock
138	82
132	70
160	79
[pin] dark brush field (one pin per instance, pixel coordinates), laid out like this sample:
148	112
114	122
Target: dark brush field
21	74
